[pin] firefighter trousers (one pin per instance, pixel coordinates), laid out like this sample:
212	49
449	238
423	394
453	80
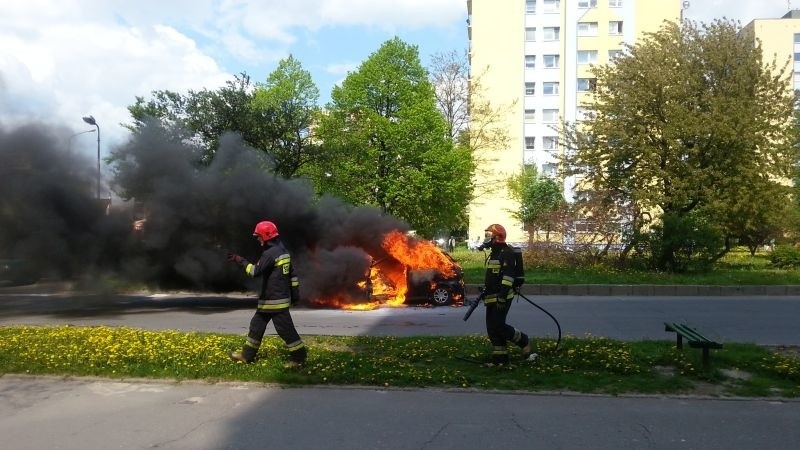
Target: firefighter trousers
500	333
284	326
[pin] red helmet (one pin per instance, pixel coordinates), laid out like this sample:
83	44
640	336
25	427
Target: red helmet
266	230
497	232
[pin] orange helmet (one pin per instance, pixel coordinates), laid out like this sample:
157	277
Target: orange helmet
497	232
266	230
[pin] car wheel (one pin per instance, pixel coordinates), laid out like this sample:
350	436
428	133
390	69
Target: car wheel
441	296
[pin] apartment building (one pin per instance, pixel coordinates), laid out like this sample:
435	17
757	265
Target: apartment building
780	40
533	59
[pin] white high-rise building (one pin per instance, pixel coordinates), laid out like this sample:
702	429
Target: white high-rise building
531	59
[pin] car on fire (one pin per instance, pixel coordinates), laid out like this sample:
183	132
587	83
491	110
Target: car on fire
429	286
436	290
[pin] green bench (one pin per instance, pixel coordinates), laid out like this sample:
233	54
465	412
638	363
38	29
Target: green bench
694	337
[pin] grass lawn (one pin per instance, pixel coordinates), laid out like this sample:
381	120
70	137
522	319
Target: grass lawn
589	364
736	268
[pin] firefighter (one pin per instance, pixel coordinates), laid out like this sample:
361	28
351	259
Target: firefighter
279	290
504	275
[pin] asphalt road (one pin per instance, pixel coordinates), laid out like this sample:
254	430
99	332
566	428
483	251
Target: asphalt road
46	412
766	320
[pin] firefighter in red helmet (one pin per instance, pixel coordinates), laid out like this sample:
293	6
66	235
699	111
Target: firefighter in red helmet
504	275
279	290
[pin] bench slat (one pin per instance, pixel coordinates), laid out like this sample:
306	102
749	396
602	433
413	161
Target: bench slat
695	338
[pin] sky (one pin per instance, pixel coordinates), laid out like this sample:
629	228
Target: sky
61	60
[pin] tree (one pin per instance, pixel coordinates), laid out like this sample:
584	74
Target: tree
450	78
542	204
386	144
288	103
680	123
200	116
274	117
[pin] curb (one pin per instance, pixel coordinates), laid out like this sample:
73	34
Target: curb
651	290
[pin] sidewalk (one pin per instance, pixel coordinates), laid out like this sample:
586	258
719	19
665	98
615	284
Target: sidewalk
86	413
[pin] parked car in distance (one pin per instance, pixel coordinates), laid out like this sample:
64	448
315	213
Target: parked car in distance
14	272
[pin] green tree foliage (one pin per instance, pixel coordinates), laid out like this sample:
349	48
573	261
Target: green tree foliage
201	116
275	117
387	145
689	122
541	199
287	105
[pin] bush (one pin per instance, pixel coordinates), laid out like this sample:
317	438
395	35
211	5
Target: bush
785	257
682	243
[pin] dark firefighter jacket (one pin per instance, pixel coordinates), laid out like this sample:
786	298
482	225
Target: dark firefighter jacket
280	285
504	271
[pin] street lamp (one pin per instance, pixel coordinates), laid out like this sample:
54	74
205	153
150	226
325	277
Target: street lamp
69	144
90	120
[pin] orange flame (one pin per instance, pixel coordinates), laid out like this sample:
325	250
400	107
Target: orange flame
388	284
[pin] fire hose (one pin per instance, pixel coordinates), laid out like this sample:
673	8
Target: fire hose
474	304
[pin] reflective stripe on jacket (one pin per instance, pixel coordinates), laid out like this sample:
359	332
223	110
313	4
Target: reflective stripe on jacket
275	266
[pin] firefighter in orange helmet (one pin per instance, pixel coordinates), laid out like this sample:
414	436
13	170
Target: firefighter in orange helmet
504	275
279	290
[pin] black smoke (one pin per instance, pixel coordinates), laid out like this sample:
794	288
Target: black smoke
49	215
196	212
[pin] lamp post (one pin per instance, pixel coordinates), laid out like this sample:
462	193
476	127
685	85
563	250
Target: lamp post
90	120
69	145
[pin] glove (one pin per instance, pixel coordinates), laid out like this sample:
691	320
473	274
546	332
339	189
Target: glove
235	258
518	282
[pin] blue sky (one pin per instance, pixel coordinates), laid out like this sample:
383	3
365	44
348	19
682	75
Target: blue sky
61	60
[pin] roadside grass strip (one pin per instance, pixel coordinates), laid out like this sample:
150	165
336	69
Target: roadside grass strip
588	364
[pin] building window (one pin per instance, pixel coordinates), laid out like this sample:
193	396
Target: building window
614	54
530	61
551	61
550	170
530	143
585	4
587	28
530	6
587	56
586	84
797	38
530	115
552	6
550	115
796	81
551	33
615	27
530	88
530	34
615	3
550	88
550	143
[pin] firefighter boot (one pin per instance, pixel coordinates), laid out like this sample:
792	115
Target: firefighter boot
247	355
297	359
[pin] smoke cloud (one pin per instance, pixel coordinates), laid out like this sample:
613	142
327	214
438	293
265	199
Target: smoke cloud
196	212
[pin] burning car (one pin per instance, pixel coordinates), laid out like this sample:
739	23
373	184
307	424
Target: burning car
426	286
410	271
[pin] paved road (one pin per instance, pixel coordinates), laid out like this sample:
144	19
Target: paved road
767	320
43	412
38	413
